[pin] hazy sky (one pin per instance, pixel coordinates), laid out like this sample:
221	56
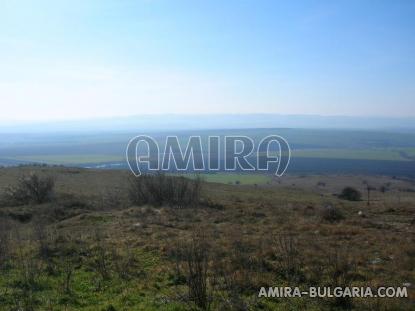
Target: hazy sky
95	58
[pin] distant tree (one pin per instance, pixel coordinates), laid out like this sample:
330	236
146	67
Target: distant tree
351	194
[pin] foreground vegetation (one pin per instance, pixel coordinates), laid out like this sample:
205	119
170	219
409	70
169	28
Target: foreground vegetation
73	239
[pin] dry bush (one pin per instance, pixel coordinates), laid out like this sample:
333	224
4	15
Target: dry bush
341	271
331	214
192	265
5	228
196	256
30	189
100	258
242	269
236	272
46	239
69	255
160	189
112	199
28	277
126	265
288	256
351	194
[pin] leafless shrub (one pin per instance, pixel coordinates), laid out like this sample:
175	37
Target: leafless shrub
341	271
212	204
27	282
5	228
68	251
331	214
351	194
238	269
192	262
46	239
241	268
30	189
68	266
100	258
229	282
160	189
125	263
288	257
112	199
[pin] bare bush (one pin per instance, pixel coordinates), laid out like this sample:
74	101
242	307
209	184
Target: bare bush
31	189
69	250
341	272
4	241
100	258
288	257
112	199
46	239
160	189
235	274
125	263
351	194
331	214
28	280
192	262
241	268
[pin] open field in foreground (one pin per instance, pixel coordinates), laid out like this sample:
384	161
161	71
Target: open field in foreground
88	247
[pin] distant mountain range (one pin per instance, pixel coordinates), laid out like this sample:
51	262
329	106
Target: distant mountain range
215	121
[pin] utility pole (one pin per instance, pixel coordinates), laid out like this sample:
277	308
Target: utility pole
369	188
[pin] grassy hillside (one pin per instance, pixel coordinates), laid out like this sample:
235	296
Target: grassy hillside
88	247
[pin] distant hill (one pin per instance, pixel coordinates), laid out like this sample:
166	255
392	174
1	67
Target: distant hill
218	121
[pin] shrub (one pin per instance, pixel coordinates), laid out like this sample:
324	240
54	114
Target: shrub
31	189
332	214
289	259
192	263
160	189
126	265
341	271
5	228
351	194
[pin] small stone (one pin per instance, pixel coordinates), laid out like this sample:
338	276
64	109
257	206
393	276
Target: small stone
361	214
376	261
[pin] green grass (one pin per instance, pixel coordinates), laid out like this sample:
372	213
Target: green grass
352	154
88	291
69	159
395	154
408	151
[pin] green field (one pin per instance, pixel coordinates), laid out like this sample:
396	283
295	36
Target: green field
398	154
69	158
345	149
354	154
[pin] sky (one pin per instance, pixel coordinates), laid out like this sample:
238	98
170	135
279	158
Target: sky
81	59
